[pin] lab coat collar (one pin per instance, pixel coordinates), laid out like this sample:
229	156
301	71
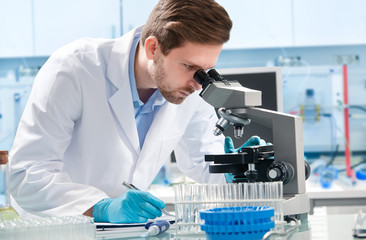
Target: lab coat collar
118	62
121	101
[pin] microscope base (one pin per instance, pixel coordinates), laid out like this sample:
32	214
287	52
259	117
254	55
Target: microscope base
296	205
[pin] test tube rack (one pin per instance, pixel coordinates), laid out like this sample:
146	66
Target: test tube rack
45	228
191	198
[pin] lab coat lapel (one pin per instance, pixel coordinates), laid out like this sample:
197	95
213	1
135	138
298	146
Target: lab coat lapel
121	105
121	100
149	157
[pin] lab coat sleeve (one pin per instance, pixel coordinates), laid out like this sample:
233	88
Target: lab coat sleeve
197	141
38	181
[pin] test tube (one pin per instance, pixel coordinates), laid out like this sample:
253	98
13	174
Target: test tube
179	209
260	190
196	199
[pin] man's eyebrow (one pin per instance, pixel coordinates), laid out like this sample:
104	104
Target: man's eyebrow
196	66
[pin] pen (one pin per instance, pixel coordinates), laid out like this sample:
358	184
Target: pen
131	186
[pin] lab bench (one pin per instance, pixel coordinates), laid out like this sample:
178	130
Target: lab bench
324	223
321	226
337	195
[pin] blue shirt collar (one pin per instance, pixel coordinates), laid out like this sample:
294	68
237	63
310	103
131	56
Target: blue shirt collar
157	99
131	72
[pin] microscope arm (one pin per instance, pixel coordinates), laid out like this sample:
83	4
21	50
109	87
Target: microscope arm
287	140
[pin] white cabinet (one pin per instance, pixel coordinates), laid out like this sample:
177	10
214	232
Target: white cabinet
259	23
329	22
16	37
59	22
136	13
286	23
39	27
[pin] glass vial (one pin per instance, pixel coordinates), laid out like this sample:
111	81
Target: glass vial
310	111
6	211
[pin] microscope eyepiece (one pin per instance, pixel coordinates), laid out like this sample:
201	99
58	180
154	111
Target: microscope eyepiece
215	75
203	78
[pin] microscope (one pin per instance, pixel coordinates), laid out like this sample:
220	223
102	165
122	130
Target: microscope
281	161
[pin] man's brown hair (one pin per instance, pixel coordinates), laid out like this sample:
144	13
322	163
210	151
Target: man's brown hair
174	22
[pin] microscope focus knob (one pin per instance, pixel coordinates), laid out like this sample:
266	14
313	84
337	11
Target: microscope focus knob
307	170
275	174
280	171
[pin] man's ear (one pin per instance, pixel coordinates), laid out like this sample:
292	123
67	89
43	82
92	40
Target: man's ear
152	48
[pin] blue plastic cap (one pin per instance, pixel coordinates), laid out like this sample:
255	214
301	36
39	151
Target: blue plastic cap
232	223
325	183
361	174
327	175
309	92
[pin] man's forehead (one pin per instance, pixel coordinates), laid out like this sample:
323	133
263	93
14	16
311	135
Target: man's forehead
199	55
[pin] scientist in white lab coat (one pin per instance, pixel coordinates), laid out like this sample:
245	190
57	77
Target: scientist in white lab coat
106	111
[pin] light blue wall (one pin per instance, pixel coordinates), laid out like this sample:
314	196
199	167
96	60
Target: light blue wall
313	56
11	64
323	55
240	58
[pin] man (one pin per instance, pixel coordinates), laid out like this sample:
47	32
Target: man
106	111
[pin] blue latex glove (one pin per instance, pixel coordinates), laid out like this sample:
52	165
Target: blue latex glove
253	141
134	206
229	148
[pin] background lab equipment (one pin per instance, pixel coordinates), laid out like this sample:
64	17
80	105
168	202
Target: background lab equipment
238	107
6	211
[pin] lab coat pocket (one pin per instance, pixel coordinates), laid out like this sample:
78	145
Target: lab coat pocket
167	147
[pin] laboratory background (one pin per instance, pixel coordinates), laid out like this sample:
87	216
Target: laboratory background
320	47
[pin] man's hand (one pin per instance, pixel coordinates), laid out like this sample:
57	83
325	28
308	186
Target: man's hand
253	141
134	206
229	148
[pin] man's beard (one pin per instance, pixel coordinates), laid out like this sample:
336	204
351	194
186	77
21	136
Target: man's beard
159	77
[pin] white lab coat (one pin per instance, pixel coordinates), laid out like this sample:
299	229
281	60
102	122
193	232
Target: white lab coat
77	140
